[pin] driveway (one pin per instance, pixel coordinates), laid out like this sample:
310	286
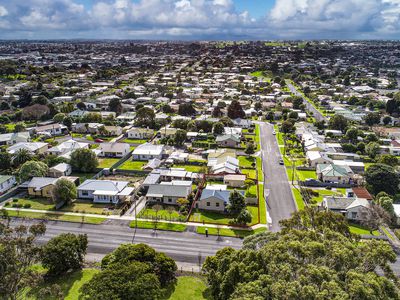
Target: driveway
280	202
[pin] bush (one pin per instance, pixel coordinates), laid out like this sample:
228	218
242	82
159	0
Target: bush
27	205
15	200
7	204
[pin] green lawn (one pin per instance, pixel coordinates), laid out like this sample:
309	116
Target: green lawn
305	174
36	203
323	193
251	173
85	206
135	165
252	192
149	213
262	206
228	232
187	288
260	174
221	218
134	141
298	198
107	162
354	228
55	217
160	226
246	161
190	168
279	135
83	176
70	285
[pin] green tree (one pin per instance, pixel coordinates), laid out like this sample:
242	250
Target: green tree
249	149
18	252
236	202
145	117
352	134
218	128
235	110
32	169
388	159
67	121
179	137
5	160
382	178
84	160
115	106
387	120
21	156
244	217
372	119
186	109
338	122
63	253
64	191
386	203
372	149
59	117
287	127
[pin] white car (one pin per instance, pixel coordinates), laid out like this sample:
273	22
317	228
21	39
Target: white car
273	132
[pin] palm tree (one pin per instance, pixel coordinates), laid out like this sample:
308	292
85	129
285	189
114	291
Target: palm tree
21	156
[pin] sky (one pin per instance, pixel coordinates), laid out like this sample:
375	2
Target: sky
200	19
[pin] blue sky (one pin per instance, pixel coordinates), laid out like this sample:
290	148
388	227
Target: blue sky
200	19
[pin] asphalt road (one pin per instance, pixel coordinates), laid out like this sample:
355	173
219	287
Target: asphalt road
183	247
280	202
316	114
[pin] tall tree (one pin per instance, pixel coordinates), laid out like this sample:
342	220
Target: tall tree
84	160
235	110
338	122
32	169
145	117
236	202
115	106
64	191
21	156
382	178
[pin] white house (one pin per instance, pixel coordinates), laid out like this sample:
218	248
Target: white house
148	151
114	149
6	183
140	133
33	148
105	191
66	148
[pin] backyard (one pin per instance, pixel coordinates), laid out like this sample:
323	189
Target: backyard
132	165
107	162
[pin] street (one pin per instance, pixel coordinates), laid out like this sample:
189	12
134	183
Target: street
183	247
280	202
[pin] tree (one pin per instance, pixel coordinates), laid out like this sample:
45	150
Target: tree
19	127
21	156
18	252
145	117
5	160
388	159
352	134
297	101
235	110
287	127
386	120
84	160
4	105
386	203
216	113
115	106
163	266
249	149
372	149
244	217
338	122
179	137
380	177
308	259
375	216
64	253
134	280
67	121
59	117
236	203
186	109
218	128
270	116
293	115
372	119
226	121
64	191
32	169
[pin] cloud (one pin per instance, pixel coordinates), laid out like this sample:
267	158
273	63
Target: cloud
197	19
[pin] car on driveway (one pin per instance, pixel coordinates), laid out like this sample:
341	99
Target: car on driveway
99	140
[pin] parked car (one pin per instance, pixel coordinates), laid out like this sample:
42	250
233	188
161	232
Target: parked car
273	132
99	140
281	161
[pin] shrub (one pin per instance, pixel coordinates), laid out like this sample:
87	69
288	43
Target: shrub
27	205
15	200
7	204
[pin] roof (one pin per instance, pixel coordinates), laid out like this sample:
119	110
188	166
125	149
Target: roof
219	194
166	190
361	192
61	167
31	147
39	182
235	177
343	203
331	170
148	149
226	137
114	147
4	178
103	185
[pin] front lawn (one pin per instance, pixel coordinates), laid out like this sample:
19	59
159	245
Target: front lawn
86	207
251	173
241	233
298	198
35	203
134	141
358	229
186	288
107	162
133	165
149	213
160	226
246	161
55	217
221	218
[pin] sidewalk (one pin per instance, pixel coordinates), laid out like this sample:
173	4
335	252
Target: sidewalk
132	218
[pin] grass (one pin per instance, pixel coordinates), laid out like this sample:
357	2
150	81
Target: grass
107	162
55	217
387	233
252	191
160	226
323	193
251	173
135	165
149	213
260	173
298	198
229	232
187	287
70	285
85	206
246	161
190	168
357	229
221	218
134	141
36	203
83	176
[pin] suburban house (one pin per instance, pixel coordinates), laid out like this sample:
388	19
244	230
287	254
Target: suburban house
61	169
316	157
52	129
140	133
334	173
43	186
66	148
114	149
148	151
33	148
224	165
13	138
105	191
234	180
243	123
6	183
169	192
113	130
213	199
228	140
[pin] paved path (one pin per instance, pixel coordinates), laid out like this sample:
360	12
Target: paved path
280	202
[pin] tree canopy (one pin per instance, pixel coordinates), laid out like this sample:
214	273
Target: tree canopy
84	160
382	178
235	110
32	169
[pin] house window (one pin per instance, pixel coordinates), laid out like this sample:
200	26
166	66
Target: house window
170	200
85	193
208	204
217	204
353	215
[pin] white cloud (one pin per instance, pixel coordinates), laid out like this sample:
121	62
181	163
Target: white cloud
3	11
